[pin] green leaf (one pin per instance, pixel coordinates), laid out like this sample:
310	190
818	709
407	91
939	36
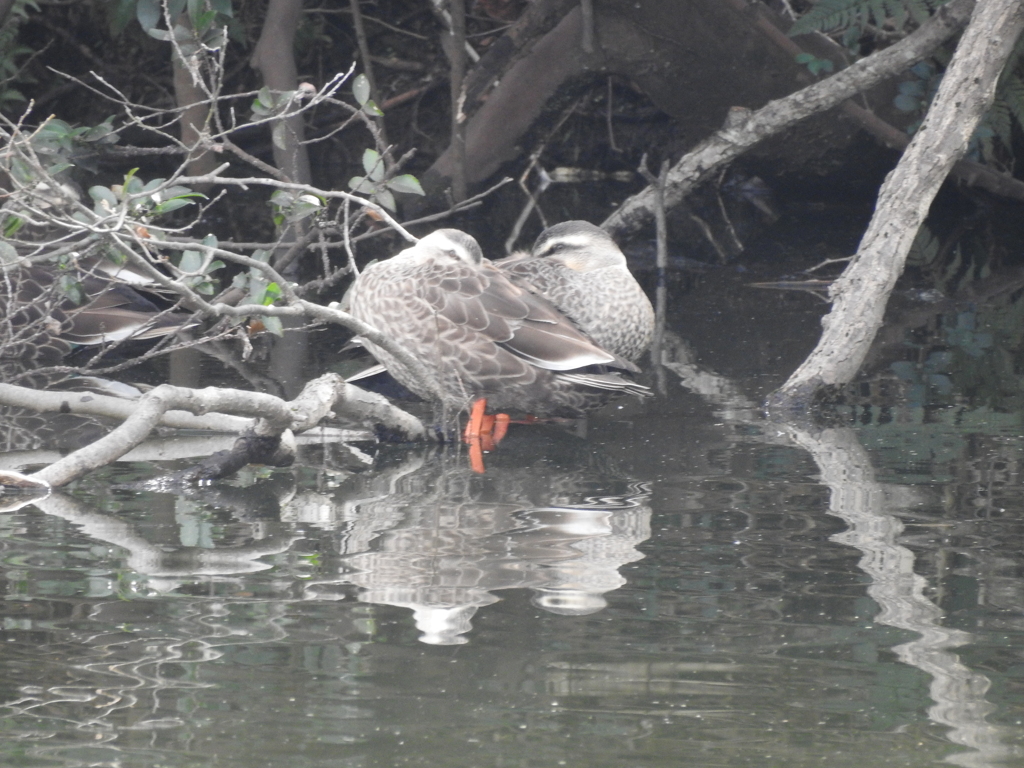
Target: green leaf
304	206
265	96
116	257
129	178
372	109
55	128
406	183
170	205
385	198
179	191
373	165
279	135
12	224
71	288
361	184
257	289
148	13
191	261
204	21
271	294
103	195
120	15
361	89
8	254
22	171
101	132
282	198
215	37
273	325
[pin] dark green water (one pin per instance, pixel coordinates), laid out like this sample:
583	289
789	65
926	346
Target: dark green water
688	586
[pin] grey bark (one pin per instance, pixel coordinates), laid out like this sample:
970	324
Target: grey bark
457	9
492	134
728	144
194	117
274	58
860	294
320	398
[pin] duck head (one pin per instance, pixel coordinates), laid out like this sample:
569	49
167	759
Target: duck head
579	245
445	244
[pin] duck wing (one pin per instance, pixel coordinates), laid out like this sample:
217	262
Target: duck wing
484	300
545	276
115	312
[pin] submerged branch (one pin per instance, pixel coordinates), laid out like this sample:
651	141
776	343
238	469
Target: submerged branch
323	397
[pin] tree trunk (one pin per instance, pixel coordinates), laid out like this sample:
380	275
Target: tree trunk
860	294
195	107
274	58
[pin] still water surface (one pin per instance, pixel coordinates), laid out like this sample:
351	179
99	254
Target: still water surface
688	585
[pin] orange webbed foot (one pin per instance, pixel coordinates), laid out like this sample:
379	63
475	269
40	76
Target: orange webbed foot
483	433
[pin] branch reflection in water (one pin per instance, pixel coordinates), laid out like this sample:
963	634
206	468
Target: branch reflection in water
424	532
772	611
867	506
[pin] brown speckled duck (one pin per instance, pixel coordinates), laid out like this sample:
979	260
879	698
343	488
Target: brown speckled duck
482	335
579	268
46	313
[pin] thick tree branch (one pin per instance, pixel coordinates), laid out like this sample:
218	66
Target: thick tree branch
274	416
728	144
860	294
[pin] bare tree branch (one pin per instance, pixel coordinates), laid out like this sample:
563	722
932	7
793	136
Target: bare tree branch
728	144
967	90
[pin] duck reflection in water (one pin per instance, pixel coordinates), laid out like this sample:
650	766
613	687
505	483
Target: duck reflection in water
431	535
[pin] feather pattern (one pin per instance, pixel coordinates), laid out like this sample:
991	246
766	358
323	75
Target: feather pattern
581	271
41	323
480	334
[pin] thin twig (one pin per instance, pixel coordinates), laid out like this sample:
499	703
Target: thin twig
661	289
457	10
364	55
608	116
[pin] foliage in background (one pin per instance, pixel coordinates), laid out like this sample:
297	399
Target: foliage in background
853	17
851	20
12	55
974	352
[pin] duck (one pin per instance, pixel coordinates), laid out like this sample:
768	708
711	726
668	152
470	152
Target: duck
49	313
481	336
578	267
